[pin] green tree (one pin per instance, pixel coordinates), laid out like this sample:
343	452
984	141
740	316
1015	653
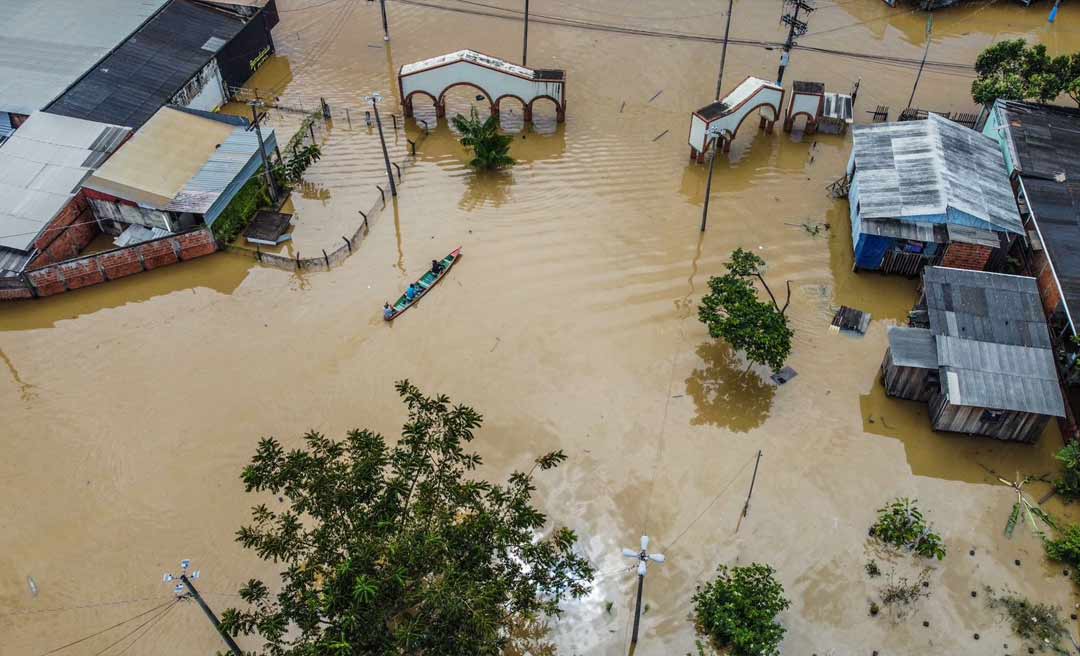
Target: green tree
733	312
491	150
738	610
1068	484
400	549
1014	71
1069	73
901	524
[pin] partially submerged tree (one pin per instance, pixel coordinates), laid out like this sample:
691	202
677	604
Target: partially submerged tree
733	312
491	149
737	610
900	524
400	549
1014	71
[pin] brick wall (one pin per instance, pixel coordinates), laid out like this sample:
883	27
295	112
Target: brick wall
966	256
1048	287
56	278
67	234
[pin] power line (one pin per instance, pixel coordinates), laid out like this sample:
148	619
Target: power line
81	606
107	629
148	629
314	6
129	633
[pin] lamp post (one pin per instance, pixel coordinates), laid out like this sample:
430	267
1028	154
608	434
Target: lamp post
643	556
375	99
525	39
715	135
187	588
256	118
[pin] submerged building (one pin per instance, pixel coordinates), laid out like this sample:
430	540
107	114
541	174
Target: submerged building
978	354
928	192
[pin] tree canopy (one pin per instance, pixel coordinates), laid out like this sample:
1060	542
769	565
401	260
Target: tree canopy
737	610
733	312
491	149
400	549
1015	71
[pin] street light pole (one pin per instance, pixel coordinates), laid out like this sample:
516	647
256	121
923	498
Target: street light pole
525	41
256	105
186	586
375	98
708	184
385	25
643	556
723	51
926	51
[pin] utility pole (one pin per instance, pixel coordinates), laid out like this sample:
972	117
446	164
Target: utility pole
796	28
256	118
926	51
708	184
385	25
525	43
187	588
375	98
643	556
723	51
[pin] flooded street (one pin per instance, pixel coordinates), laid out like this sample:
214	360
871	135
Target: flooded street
571	323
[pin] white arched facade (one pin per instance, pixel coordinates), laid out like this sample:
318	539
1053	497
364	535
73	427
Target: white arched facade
495	78
727	115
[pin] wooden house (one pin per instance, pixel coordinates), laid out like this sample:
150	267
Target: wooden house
981	358
928	192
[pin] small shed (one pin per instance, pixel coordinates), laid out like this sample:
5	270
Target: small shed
930	192
985	364
830	113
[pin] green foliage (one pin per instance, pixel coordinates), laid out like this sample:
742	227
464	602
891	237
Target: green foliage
1066	548
400	548
491	150
1039	625
733	312
1012	70
238	213
1068	484
872	569
901	524
738	610
291	170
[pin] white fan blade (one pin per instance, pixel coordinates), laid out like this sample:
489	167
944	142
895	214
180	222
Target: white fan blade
167	578
630	553
184	564
195	574
644	543
657	558
641	569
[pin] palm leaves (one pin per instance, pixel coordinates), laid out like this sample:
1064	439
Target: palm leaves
1029	509
491	150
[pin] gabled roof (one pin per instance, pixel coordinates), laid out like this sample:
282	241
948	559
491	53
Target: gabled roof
144	73
45	45
920	169
999	376
42	166
913	347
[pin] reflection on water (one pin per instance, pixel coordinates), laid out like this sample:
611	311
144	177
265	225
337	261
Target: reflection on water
726	393
486	189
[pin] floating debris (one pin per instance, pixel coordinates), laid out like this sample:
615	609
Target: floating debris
660	135
622	106
784	375
657	94
32	584
851	319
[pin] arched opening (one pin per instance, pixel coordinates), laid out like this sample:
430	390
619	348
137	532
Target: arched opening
799	123
423	107
460	98
757	115
512	113
546	114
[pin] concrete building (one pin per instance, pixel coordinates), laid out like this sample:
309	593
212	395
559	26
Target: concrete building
179	170
928	192
979	354
44	215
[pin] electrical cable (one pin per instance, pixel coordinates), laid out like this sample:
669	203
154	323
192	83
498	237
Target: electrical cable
124	637
314	6
107	629
81	606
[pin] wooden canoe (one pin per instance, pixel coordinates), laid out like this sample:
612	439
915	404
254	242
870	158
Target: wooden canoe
426	282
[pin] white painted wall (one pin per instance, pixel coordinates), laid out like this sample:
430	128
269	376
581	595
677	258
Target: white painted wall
766	92
205	91
805	102
496	83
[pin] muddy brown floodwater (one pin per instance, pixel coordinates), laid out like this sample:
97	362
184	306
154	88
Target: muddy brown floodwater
129	409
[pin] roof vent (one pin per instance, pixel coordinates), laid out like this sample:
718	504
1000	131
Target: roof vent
213	44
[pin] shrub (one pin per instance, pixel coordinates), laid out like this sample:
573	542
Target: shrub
1066	549
738	610
901	524
1037	624
235	217
1068	485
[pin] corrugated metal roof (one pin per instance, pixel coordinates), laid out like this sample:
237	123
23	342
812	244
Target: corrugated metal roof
42	166
45	45
983	306
224	165
921	169
12	261
999	376
144	73
913	347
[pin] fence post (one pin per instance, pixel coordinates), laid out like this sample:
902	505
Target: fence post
258	253
326	258
398	171
412	147
382	193
394	116
311	129
298	265
361	212
348	118
347	242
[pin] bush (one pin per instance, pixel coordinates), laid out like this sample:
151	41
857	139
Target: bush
901	524
738	610
1068	485
1039	625
232	221
1066	549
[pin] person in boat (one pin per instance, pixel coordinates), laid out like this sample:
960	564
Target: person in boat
436	267
411	292
387	311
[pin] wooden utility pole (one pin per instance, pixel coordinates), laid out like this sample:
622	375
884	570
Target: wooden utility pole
796	28
257	118
211	616
926	51
525	40
723	51
708	183
643	557
375	98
